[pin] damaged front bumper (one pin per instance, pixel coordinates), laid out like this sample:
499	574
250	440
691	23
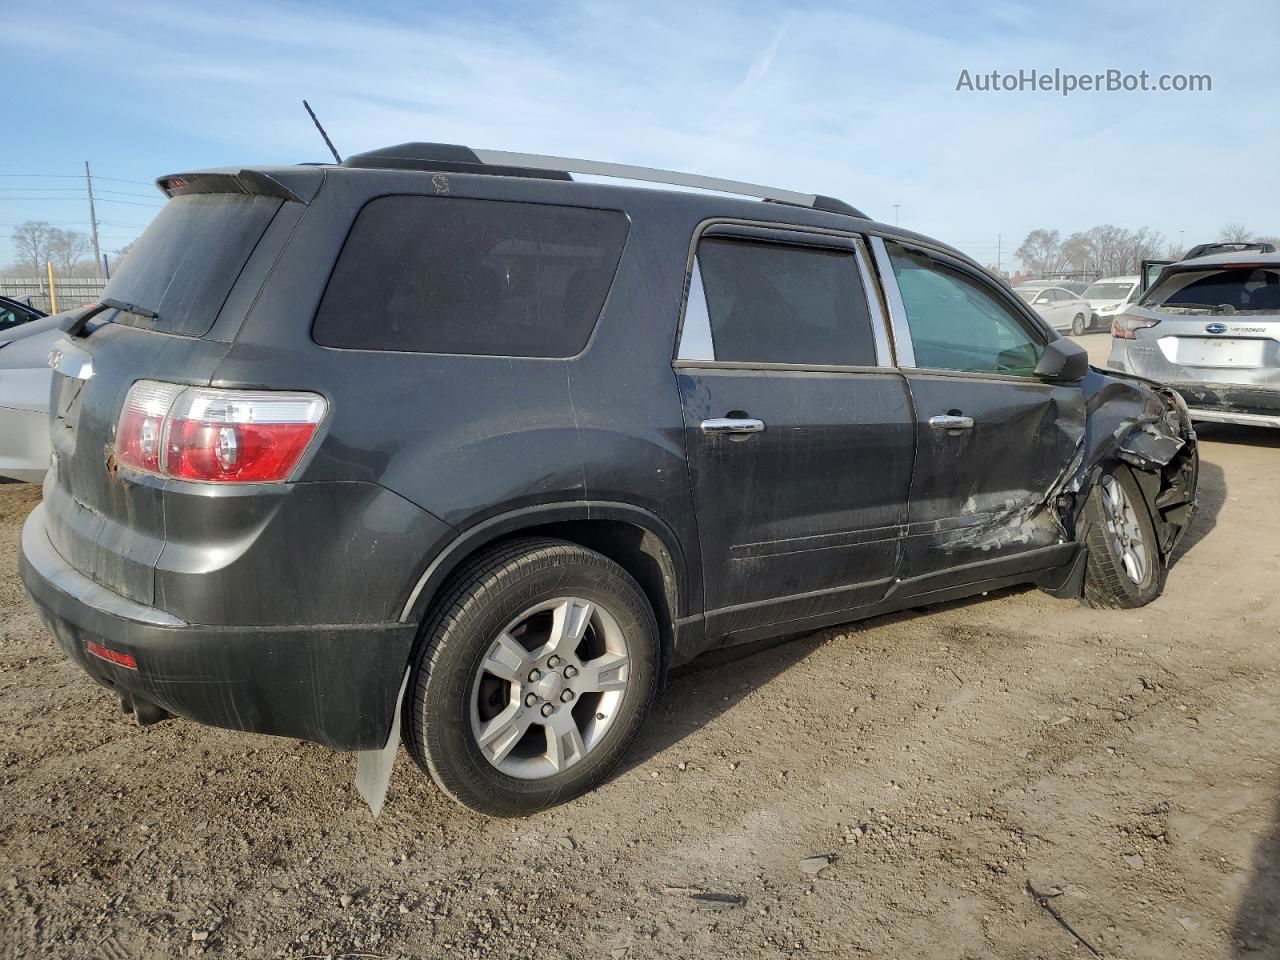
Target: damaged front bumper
1159	443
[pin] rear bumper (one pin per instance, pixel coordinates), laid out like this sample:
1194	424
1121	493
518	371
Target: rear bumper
1204	415
1251	406
333	684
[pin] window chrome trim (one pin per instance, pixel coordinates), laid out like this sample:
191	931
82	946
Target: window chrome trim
783	234
696	341
875	304
906	352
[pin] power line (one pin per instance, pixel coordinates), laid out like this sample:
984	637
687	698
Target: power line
131	203
75	176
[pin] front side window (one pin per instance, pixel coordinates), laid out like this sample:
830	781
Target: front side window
777	303
958	323
460	276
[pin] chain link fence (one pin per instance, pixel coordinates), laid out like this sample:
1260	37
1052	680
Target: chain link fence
71	291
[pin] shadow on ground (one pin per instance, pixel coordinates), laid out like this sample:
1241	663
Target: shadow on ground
1256	930
714	683
1210	497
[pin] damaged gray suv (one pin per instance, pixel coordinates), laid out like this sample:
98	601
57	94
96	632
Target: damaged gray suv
1210	328
444	441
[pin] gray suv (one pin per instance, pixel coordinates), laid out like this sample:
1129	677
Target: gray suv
1209	327
444	441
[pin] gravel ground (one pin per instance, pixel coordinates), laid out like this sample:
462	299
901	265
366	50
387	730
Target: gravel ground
898	788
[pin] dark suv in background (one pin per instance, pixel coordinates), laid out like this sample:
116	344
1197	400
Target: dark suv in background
448	437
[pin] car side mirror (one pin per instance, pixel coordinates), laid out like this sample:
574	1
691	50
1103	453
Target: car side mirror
1063	360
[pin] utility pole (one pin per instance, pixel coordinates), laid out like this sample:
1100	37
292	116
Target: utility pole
895	213
998	252
93	222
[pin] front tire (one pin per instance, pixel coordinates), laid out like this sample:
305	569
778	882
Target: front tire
1077	325
1125	567
532	677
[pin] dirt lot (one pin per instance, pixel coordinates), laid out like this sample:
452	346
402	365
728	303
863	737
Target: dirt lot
1123	764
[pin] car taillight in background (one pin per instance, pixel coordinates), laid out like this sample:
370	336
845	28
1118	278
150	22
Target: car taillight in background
209	434
1127	325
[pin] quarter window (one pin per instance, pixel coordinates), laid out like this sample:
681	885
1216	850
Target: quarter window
461	276
777	303
959	323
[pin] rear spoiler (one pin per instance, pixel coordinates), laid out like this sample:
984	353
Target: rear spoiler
249	182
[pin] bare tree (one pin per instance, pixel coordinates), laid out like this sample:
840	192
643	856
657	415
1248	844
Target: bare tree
1235	232
1041	251
66	249
1077	252
31	243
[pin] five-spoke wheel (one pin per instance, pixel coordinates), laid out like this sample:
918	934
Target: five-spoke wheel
532	677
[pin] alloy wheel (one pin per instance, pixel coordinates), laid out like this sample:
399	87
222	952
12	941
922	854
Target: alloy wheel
1125	530
549	687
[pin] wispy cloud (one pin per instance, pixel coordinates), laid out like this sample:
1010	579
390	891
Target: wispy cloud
857	102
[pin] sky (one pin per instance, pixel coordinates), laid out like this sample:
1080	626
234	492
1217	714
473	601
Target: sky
854	100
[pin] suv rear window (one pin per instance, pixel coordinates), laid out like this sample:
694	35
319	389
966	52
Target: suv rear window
186	262
451	275
1233	290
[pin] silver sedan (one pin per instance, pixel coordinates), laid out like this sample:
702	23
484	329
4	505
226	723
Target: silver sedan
25	381
1061	308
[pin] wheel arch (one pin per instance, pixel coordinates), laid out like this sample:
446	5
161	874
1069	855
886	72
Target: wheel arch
635	538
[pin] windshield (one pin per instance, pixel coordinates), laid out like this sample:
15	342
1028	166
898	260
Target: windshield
1218	291
1108	291
186	262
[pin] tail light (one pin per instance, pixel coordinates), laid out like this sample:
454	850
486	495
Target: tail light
1126	325
208	434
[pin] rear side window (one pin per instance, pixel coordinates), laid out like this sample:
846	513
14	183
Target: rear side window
772	303
1237	290
451	275
184	265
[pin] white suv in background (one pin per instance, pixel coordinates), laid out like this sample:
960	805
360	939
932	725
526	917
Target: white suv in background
1109	296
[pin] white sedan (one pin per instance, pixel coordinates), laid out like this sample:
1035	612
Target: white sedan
1060	308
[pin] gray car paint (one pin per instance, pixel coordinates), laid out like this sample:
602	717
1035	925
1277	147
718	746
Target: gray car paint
1242	388
25	380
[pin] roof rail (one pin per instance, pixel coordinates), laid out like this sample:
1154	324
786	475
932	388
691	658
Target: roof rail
453	157
1229	246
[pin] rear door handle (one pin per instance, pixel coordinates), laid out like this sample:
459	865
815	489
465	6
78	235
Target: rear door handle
950	422
732	425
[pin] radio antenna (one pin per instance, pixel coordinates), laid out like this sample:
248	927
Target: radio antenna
327	142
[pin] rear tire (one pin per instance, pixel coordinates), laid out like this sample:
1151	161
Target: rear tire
1078	325
532	677
1125	568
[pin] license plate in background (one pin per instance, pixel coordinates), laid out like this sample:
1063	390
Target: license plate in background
1217	352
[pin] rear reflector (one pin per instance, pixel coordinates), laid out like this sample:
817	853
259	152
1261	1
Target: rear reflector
213	435
111	656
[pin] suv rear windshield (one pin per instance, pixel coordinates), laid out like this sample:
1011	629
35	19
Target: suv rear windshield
458	276
186	262
1218	291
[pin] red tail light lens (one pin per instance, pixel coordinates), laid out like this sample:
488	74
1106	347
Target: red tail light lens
1125	326
207	434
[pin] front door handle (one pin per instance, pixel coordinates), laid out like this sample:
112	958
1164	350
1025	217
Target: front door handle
732	425
951	422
